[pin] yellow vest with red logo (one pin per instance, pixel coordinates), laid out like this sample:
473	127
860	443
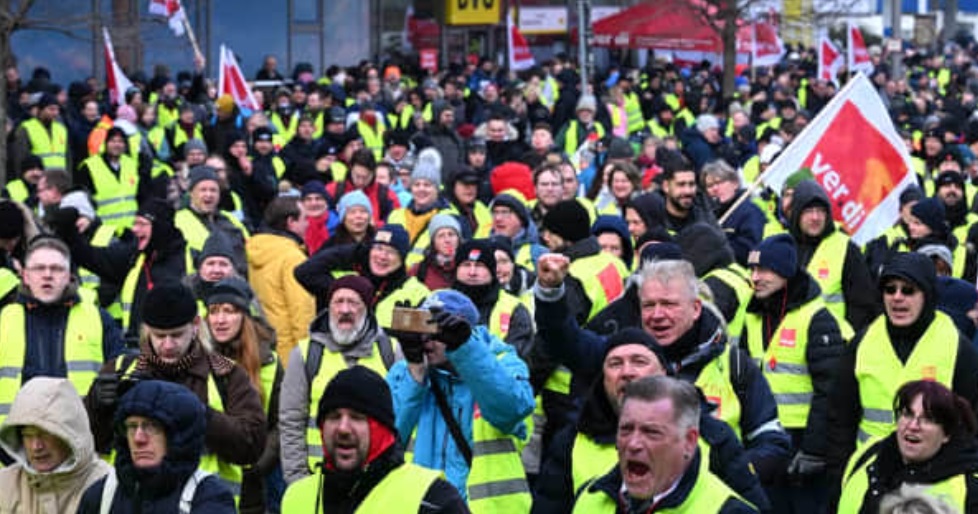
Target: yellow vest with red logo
501	314
115	198
603	278
880	372
715	380
401	491
826	268
51	148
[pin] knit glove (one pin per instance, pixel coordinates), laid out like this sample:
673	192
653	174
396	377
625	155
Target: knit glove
453	330
804	465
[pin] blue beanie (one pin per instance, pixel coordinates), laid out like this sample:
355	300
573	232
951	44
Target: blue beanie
394	236
776	253
454	302
665	251
314	187
352	199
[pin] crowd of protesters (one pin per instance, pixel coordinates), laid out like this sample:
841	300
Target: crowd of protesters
482	291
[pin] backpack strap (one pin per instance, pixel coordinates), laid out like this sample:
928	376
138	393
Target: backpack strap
386	350
190	489
313	360
108	491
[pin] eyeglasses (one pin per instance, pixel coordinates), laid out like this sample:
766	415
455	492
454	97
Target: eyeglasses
905	290
908	416
54	269
149	427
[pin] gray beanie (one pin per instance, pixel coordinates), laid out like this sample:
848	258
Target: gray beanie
705	122
216	245
201	173
79	200
425	170
194	144
443	220
588	103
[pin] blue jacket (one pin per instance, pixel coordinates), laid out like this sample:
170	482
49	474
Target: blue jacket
744	227
488	373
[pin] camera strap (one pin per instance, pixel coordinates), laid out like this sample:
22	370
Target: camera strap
453	426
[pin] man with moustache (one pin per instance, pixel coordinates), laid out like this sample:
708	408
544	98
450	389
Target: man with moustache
684	204
344	334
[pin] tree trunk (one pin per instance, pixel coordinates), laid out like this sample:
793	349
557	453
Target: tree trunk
728	35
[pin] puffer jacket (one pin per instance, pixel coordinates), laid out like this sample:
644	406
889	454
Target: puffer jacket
53	405
157	490
487	372
272	256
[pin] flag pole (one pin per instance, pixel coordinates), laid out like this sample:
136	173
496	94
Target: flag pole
193	38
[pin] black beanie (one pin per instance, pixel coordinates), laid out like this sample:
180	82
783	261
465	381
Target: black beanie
478	250
931	212
356	283
13	220
776	253
232	290
362	390
913	267
156	210
216	245
569	220
168	306
632	335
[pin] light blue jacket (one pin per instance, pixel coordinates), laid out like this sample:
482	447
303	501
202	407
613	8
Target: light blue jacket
488	373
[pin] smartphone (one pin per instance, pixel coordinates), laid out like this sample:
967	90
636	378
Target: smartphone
418	321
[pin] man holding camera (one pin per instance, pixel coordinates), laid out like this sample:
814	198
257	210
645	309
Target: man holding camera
465	396
171	350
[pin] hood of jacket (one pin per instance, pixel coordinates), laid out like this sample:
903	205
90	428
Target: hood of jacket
706	247
53	405
651	207
266	249
807	194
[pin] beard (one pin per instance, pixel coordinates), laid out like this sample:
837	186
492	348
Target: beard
344	336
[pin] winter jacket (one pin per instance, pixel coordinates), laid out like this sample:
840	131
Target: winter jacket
158	489
554	491
448	144
272	257
236	435
488	375
862	302
582	351
300	160
383	200
52	405
293	414
433	275
697	148
700	212
744	226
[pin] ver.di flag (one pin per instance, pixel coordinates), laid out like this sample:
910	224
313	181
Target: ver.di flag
520	57
829	60
863	175
858	55
115	80
232	82
173	12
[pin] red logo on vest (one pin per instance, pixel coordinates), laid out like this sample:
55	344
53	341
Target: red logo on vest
504	322
928	372
823	273
476	412
787	338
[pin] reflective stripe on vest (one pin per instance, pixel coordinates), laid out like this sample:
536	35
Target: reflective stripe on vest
735	277
101	239
82	349
880	372
115	198
502	313
497	480
952	491
229	474
707	496
402	490
602	277
715	382
330	364
785	364
17	190
570	136
412	290
51	148
826	268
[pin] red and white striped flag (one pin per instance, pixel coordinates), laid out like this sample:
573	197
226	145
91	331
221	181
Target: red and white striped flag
116	81
829	60
520	57
232	82
858	54
172	10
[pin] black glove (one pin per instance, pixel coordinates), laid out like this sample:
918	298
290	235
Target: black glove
804	466
106	390
412	344
453	330
62	222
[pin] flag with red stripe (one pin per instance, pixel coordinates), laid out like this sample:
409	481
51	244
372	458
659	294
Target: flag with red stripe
232	82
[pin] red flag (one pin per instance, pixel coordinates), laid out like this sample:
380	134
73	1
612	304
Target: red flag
858	55
829	59
863	176
520	57
232	82
116	81
172	10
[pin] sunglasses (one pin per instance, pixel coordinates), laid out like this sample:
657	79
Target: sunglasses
905	290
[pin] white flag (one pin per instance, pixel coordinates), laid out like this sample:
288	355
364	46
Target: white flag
116	81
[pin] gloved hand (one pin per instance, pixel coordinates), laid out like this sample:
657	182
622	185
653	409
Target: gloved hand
453	330
412	344
804	465
62	222
106	390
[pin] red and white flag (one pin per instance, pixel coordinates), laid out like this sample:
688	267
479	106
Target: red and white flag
116	81
858	55
829	59
767	48
232	82
172	10
520	57
863	176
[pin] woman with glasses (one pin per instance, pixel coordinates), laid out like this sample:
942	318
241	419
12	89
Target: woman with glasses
158	439
911	340
933	446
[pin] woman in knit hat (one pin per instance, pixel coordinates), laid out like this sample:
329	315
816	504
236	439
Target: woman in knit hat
426	202
239	333
437	269
355	214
